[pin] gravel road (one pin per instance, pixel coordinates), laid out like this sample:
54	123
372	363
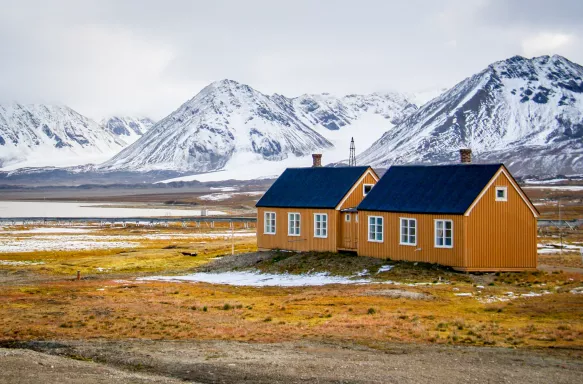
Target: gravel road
293	362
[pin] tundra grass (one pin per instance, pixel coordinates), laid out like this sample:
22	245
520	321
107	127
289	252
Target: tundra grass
114	309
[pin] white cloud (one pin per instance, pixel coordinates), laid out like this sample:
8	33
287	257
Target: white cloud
546	43
148	57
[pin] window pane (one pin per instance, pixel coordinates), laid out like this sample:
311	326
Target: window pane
448	241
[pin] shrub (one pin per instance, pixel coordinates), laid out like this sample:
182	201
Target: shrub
371	311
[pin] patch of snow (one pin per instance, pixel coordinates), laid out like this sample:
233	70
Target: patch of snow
464	294
226	196
25	262
557	187
256	279
49	230
385	268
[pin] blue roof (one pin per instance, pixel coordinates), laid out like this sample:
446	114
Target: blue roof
437	189
318	187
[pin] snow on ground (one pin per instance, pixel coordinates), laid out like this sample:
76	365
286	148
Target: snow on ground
68	209
226	196
224	189
17	263
556	248
57	244
557	187
48	230
549	181
256	279
51	241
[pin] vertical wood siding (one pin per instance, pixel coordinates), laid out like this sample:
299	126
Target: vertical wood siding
390	247
306	241
501	235
357	194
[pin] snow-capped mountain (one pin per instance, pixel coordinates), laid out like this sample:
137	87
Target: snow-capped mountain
51	135
527	113
228	122
127	128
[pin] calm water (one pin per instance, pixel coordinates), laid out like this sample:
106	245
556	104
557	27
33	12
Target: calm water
49	209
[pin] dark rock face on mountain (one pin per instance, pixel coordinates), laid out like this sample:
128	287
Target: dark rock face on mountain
527	113
127	128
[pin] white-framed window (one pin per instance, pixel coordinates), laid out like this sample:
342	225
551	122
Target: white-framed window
293	224
269	223
443	234
408	231
347	217
375	229
356	217
321	225
501	194
366	189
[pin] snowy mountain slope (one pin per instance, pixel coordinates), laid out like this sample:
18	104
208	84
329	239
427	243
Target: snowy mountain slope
525	112
224	119
364	117
228	121
127	128
45	135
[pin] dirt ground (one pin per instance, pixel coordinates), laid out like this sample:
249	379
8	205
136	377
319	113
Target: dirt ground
111	328
297	362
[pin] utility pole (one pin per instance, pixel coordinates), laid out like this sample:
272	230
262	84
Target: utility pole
352	158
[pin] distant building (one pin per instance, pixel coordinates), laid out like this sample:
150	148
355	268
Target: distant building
472	217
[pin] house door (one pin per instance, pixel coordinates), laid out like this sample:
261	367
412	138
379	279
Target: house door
350	230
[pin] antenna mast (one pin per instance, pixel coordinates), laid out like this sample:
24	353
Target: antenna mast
352	158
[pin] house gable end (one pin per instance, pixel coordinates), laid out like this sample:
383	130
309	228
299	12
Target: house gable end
368	177
511	182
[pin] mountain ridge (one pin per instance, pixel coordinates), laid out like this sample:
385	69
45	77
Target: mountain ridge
527	112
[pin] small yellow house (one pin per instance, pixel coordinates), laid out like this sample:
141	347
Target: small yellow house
472	217
313	209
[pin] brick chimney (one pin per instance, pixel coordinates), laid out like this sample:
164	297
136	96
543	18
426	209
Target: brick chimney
465	155
316	160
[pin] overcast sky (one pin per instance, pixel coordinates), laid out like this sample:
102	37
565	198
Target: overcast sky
105	57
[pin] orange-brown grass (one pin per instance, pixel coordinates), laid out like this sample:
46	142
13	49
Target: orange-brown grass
152	256
160	310
572	260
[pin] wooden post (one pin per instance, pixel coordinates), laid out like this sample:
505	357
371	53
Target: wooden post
78	275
